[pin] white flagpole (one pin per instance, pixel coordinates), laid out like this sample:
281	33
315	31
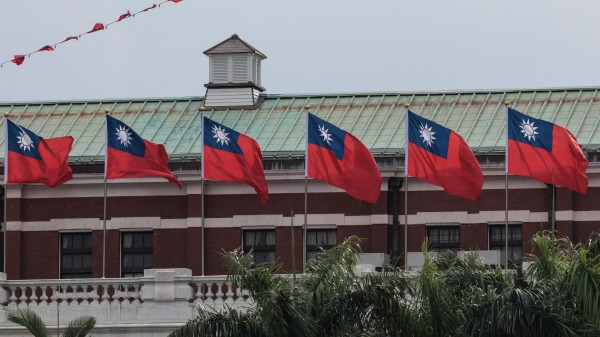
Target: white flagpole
202	186
4	229
304	229
506	103
105	194
406	106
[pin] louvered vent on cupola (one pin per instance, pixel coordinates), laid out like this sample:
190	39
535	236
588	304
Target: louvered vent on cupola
234	79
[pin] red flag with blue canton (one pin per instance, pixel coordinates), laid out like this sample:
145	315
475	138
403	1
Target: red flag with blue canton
545	152
340	159
18	59
33	159
124	16
231	156
96	28
441	157
130	156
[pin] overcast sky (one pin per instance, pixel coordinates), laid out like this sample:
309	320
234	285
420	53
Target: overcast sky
313	46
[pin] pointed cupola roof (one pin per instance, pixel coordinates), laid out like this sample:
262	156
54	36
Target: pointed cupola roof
234	44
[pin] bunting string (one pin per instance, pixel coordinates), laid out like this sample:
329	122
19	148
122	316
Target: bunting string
20	58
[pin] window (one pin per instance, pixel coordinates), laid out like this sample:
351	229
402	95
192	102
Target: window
319	238
136	253
262	244
75	255
444	238
497	240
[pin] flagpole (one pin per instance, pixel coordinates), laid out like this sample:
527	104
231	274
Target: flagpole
104	216
202	188
304	229
506	103
553	216
104	231
4	229
406	106
293	246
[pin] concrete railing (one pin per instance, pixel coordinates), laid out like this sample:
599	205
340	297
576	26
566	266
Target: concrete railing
150	306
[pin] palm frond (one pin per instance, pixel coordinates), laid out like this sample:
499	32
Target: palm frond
30	320
80	326
227	322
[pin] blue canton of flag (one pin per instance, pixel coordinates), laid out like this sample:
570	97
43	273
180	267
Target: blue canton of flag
529	130
221	137
428	135
327	135
121	137
23	141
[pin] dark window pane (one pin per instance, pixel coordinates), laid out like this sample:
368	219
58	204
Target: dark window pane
87	261
136	253
67	243
77	241
67	262
138	261
138	240
77	262
148	240
147	261
87	241
76	255
127	261
317	239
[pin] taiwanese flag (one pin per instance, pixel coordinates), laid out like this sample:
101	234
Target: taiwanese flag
71	38
149	8
231	156
18	60
340	159
47	48
32	159
130	156
441	157
96	28
124	16
541	150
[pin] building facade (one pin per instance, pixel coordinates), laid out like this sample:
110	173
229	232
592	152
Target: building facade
62	233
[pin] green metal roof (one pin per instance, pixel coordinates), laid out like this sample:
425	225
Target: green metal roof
279	124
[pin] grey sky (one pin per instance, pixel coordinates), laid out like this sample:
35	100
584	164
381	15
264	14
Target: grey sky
311	45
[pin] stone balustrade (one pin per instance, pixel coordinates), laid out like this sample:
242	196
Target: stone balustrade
149	306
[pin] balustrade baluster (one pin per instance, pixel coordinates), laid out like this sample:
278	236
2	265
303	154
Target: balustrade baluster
229	294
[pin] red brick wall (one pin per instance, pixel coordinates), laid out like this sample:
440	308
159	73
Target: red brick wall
13	255
217	240
379	238
39	252
194	250
170	248
474	237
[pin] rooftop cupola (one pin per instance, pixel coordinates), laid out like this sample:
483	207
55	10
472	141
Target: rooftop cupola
234	79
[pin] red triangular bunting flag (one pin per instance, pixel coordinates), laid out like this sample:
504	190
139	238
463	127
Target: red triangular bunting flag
18	60
176	1
48	48
124	16
153	6
71	38
96	28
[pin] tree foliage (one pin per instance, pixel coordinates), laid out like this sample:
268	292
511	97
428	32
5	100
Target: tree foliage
79	327
557	294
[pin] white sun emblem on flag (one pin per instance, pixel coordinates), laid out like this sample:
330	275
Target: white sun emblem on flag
24	141
221	135
123	135
528	130
427	134
325	134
